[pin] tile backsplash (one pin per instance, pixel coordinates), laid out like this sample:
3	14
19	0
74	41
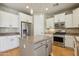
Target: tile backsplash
8	30
72	30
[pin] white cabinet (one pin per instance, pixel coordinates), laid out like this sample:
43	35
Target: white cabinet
29	19
69	21
14	20
50	23
8	19
8	42
38	24
4	19
69	41
40	51
22	17
76	17
25	17
43	48
49	47
60	17
56	18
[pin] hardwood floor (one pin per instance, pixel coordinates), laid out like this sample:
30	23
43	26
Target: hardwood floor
59	51
12	52
56	51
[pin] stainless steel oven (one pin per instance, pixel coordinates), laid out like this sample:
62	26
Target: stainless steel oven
59	35
59	40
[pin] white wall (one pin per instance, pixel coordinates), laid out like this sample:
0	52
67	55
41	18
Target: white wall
38	24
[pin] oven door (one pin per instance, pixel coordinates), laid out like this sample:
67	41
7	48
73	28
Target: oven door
58	39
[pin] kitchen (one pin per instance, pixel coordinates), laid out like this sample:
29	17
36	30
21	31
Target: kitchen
35	29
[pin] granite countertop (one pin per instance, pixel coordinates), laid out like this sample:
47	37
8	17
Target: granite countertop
36	39
29	41
72	34
8	34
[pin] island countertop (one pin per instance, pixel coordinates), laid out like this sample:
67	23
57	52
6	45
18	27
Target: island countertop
36	39
28	42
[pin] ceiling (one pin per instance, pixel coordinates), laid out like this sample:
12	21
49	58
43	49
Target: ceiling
40	7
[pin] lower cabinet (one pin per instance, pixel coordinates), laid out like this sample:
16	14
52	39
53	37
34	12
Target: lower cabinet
40	51
69	41
43	48
49	47
8	42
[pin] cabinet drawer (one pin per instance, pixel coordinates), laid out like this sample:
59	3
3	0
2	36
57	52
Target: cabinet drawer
35	46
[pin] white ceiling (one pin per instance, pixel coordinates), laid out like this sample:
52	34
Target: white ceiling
40	7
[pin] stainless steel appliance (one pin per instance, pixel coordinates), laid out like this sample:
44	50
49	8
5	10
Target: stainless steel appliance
25	29
59	35
59	39
59	25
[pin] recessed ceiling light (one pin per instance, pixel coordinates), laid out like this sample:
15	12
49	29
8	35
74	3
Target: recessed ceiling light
46	9
27	7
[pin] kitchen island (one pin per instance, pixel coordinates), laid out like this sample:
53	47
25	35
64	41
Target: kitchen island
40	45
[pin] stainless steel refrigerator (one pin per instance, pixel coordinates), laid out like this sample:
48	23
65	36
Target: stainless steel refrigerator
25	29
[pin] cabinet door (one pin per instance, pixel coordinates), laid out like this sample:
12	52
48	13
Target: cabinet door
4	19
29	18
69	21
56	18
76	17
7	43
14	21
69	41
50	23
8	19
62	17
23	17
49	48
40	51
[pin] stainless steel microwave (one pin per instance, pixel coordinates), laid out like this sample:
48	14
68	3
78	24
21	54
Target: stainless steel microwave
59	25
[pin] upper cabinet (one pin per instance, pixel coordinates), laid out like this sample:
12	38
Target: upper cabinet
76	17
29	19
8	19
56	18
69	21
25	17
60	17
50	22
